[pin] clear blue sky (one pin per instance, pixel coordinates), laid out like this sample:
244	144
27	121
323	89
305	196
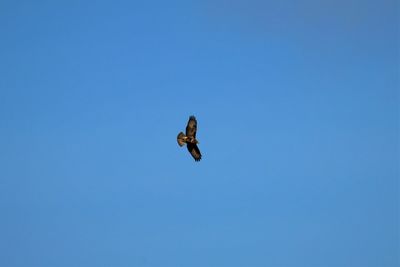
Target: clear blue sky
298	111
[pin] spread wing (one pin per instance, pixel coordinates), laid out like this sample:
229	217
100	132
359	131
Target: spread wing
191	127
194	151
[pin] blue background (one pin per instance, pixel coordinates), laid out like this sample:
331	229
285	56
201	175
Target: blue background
298	113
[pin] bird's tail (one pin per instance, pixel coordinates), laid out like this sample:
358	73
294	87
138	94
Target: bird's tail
181	139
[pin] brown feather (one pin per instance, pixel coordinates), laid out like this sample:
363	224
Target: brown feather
191	127
181	138
194	151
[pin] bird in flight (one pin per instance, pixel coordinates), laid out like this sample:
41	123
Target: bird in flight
190	138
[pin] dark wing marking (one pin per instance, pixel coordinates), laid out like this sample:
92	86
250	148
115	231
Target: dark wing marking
191	127
194	151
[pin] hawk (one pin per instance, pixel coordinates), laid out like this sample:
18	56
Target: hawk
190	138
